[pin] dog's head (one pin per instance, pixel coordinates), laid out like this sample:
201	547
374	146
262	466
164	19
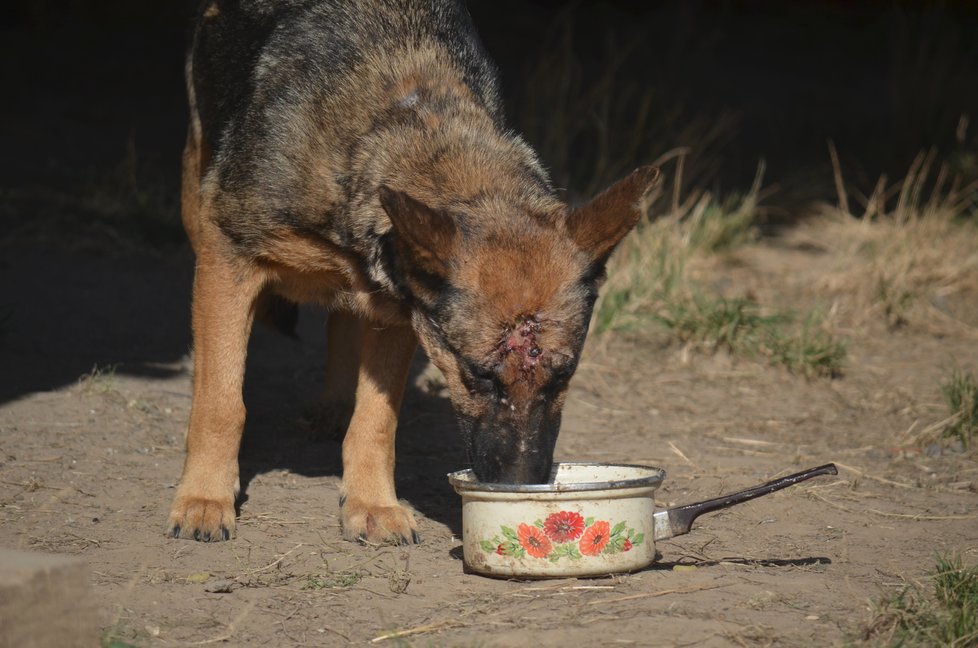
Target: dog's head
501	304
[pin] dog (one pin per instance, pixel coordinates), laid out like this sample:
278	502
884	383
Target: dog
355	154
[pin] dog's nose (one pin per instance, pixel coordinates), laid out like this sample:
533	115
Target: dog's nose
529	468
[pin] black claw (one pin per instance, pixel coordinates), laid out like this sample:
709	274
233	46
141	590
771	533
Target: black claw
404	541
207	536
225	534
415	537
175	531
362	538
342	501
197	535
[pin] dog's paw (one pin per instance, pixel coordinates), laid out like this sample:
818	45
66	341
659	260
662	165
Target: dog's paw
201	518
378	524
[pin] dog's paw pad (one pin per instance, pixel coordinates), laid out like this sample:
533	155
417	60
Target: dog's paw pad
378	524
200	518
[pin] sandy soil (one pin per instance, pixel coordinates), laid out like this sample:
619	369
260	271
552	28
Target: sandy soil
88	467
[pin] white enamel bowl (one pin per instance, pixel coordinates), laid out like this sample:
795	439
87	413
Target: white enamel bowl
590	519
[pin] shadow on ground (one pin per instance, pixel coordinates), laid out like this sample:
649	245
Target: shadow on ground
283	383
131	316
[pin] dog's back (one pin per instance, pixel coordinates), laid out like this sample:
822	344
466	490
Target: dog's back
245	49
354	153
286	94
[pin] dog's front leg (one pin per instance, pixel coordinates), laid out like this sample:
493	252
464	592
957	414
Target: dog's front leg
371	511
345	335
223	310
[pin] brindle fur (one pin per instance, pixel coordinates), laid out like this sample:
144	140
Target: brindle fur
355	154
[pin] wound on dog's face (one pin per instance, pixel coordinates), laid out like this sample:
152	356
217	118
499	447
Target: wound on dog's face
521	341
503	287
508	339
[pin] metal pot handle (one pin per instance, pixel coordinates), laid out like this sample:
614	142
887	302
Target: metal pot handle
679	520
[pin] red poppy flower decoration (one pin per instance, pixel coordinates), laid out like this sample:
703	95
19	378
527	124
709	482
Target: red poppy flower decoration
564	526
595	538
534	541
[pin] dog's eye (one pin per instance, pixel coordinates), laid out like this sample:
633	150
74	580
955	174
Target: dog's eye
563	369
482	381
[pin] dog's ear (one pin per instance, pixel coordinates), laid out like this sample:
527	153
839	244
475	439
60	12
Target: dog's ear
422	234
598	226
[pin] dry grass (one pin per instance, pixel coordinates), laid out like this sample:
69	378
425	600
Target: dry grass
669	254
961	395
911	250
661	273
948	617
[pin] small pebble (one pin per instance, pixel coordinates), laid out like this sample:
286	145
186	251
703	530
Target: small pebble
199	577
223	586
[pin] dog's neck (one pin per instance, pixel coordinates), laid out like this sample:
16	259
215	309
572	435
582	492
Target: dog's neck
441	146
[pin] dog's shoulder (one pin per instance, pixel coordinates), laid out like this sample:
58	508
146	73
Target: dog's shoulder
282	52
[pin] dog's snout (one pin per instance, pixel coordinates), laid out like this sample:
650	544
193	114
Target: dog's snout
526	472
515	452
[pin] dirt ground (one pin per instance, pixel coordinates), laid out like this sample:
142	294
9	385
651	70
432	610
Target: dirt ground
95	383
88	468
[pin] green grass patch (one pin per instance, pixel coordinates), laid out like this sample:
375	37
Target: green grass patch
652	280
806	349
718	226
739	326
332	580
112	642
100	380
715	322
117	635
961	395
948	616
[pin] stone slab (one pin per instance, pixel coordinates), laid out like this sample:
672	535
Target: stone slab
46	600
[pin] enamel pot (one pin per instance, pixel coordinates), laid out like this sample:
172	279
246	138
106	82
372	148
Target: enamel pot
590	519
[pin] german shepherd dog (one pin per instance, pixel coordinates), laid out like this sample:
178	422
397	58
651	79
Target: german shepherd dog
355	154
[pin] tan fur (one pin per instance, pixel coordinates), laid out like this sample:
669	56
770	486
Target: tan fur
223	309
392	193
304	269
371	510
598	226
345	337
190	189
225	292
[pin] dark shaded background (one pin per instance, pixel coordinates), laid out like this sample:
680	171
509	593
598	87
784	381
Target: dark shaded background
93	264
883	79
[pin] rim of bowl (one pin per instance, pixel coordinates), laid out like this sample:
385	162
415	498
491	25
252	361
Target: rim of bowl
459	479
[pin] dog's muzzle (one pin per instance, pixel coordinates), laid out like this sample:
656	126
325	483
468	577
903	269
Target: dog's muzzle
502	451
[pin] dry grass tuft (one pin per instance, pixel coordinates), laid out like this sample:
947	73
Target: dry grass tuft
948	617
911	251
668	255
961	395
659	276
